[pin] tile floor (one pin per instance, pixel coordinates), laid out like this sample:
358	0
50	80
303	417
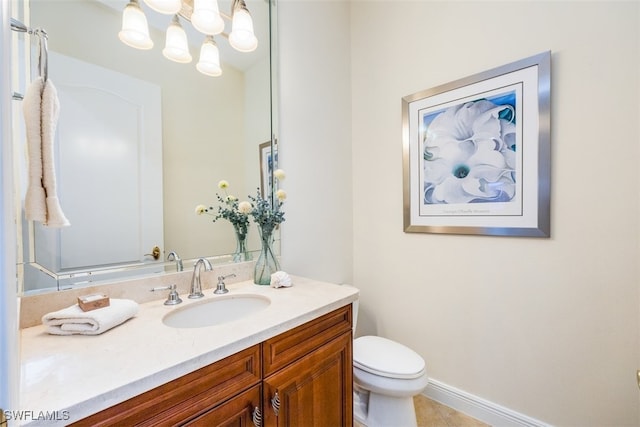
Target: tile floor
433	414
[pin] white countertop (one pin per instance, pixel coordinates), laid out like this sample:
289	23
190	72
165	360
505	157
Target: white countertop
79	375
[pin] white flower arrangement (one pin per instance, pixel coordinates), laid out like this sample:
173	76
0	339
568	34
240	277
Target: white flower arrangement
237	213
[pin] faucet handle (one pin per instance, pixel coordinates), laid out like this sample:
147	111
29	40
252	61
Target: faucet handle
173	298
221	288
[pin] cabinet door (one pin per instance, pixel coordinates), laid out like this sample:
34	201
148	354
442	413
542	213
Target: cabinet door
237	412
316	390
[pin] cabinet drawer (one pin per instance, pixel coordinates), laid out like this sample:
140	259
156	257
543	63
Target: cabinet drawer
235	412
187	396
289	346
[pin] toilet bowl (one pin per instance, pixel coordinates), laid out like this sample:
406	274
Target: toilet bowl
386	375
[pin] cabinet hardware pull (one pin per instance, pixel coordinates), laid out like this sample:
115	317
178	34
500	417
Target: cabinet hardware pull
275	403
257	417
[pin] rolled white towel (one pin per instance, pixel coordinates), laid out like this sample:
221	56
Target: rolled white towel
72	320
280	279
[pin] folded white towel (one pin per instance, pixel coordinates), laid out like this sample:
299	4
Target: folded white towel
72	320
280	279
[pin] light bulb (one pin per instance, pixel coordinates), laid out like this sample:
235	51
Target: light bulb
176	47
209	63
242	37
206	17
135	30
168	7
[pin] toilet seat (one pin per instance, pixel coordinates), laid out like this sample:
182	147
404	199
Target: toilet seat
387	358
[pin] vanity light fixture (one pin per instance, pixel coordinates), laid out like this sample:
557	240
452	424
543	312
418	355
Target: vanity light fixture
135	30
168	7
209	63
242	37
176	47
205	17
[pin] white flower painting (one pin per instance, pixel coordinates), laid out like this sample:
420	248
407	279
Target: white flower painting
476	153
469	152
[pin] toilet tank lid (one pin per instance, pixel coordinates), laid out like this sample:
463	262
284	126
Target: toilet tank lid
384	357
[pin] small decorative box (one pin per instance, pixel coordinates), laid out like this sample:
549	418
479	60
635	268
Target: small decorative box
93	301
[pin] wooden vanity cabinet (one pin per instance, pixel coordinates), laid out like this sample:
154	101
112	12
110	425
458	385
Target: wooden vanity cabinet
308	374
302	377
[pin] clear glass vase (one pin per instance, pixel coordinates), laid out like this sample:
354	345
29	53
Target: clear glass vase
267	263
241	254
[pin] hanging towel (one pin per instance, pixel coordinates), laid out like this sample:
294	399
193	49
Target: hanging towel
73	321
41	111
50	113
35	199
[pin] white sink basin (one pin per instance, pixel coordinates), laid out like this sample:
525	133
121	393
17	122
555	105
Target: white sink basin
216	311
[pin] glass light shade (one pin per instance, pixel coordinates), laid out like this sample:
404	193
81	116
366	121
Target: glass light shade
176	47
209	63
206	17
242	38
135	30
168	7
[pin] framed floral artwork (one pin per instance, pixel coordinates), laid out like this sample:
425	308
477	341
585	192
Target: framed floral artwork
268	163
476	153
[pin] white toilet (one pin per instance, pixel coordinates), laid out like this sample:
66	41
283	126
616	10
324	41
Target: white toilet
386	376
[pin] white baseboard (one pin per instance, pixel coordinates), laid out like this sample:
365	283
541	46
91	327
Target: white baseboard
478	408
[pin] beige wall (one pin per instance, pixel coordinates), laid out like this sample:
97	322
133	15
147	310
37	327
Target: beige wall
315	130
545	327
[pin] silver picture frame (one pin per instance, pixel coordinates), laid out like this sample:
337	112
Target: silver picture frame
477	154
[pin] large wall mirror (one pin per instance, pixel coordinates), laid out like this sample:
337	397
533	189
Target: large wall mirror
190	131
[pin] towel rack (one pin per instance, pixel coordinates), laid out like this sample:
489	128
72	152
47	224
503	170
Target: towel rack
18	26
43	50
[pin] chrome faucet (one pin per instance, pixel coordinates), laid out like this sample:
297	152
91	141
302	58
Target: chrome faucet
196	286
173	256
